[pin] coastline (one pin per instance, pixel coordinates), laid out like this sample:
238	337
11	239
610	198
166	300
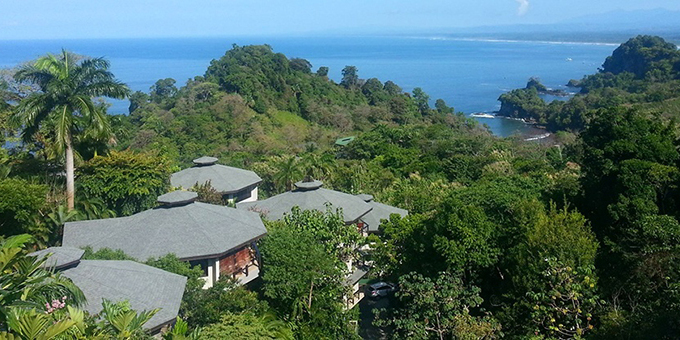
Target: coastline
531	132
492	40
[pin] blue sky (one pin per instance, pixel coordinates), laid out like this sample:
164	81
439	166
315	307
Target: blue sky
64	19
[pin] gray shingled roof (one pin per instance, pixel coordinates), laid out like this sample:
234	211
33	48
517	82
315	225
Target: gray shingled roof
380	212
60	256
224	179
275	207
205	160
192	231
178	197
365	197
145	287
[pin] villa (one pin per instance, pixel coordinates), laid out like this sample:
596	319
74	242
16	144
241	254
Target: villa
144	287
309	195
235	185
222	240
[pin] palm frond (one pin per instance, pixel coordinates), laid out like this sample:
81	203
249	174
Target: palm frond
17	241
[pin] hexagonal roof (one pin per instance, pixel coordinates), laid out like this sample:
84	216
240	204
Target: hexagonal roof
192	231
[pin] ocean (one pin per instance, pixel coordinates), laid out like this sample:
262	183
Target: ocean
468	74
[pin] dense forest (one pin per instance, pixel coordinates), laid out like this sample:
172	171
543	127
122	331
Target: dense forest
576	238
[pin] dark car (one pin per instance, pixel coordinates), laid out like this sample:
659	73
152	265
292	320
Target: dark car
380	289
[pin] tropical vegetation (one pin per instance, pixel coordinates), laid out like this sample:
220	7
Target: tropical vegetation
574	237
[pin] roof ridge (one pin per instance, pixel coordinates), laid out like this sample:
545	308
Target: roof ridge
225	208
153	270
202	230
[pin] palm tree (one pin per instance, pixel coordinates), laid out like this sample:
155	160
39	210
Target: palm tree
122	322
319	167
63	103
288	173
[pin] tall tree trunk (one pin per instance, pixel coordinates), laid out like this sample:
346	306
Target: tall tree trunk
309	301
70	185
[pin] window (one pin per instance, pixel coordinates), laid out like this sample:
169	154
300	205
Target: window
243	194
202	263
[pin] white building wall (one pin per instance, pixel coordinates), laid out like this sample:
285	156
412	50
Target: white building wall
217	270
213	273
253	196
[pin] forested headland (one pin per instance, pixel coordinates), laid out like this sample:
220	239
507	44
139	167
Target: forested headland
643	72
576	238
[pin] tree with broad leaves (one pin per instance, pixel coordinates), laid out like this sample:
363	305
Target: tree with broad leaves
438	308
303	280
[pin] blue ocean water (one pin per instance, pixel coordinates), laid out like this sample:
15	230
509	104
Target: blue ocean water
468	74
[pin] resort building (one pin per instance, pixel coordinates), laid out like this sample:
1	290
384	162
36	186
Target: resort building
236	185
309	195
144	287
220	239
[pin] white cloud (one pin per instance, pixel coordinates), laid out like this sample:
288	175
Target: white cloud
523	7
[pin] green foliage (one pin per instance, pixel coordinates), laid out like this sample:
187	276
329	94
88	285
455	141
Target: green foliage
442	108
559	234
288	173
438	308
564	307
523	103
416	194
105	254
463	237
31	324
247	326
327	228
121	322
20	202
293	265
27	286
642	70
137	99
548	270
163	90
404	247
172	264
208	194
304	284
642	56
628	162
62	111
127	181
67	85
350	77
630	195
247	98
180	331
202	307
647	303
422	101
535	83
